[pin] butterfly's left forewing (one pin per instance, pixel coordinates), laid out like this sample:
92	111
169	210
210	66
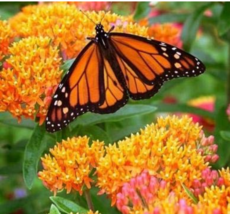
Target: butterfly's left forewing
81	90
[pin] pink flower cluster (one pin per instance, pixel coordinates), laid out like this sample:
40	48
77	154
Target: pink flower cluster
208	178
140	191
208	148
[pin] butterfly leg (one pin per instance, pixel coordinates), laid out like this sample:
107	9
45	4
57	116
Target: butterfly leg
91	39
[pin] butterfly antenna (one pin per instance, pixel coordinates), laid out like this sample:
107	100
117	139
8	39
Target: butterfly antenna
87	16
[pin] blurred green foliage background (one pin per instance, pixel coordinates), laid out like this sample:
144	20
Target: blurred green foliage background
212	46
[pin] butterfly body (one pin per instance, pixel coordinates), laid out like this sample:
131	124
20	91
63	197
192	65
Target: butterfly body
113	67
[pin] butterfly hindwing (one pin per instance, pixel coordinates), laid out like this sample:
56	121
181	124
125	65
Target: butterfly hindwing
137	88
115	89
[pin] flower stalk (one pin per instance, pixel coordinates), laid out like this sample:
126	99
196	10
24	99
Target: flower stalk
228	75
88	199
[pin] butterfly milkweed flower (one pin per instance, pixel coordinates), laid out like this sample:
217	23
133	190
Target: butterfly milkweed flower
33	66
147	194
67	26
70	163
173	150
6	37
168	32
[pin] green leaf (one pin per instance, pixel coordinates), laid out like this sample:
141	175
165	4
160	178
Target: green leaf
67	206
224	23
225	135
95	133
222	123
63	134
125	127
190	194
67	64
166	18
11	169
54	210
12	206
126	112
142	10
191	26
102	203
174	108
33	151
6	119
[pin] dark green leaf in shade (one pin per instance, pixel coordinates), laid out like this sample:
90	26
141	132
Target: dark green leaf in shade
191	26
11	169
225	135
127	111
222	124
123	128
67	206
54	210
12	206
142	10
224	21
63	134
163	107
6	119
102	203
33	151
166	18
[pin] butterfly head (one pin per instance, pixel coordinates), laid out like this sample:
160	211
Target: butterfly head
99	28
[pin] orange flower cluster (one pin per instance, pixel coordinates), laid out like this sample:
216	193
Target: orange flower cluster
167	149
70	165
168	32
66	25
6	37
32	67
163	169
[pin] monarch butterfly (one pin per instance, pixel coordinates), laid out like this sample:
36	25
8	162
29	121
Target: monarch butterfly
113	67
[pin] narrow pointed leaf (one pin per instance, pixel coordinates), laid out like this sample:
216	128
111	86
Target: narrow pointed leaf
33	151
54	210
67	206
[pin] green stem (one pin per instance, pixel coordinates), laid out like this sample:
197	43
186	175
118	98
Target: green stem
89	199
228	75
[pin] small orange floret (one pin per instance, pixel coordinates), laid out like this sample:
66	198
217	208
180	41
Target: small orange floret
6	37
